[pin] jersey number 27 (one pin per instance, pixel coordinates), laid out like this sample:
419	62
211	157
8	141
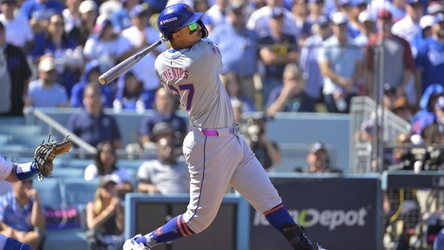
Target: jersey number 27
186	91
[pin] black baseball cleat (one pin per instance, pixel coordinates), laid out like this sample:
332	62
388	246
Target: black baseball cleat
296	236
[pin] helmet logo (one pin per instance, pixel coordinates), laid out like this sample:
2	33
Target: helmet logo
188	8
162	22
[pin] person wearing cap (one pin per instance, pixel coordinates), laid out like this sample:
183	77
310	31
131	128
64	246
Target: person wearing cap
408	27
87	15
18	30
140	35
168	174
14	75
242	59
290	97
429	62
45	91
259	20
121	19
21	214
300	12
340	61
278	49
399	65
308	61
105	45
165	111
426	24
367	26
105	217
318	159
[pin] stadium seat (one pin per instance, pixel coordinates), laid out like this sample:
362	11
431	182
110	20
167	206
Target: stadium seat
49	191
64	173
78	191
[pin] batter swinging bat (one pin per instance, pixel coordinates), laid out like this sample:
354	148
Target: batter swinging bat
124	66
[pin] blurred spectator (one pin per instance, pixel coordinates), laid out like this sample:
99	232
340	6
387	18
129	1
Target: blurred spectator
315	10
278	49
92	125
396	7
426	24
21	214
199	6
433	158
346	7
238	112
367	27
71	14
216	14
260	19
45	91
104	44
14	75
290	97
402	109
165	111
300	12
91	74
38	12
309	58
167	174
426	115
105	218
88	15
63	49
141	35
408	27
438	243
105	165
318	159
399	65
133	96
240	59
255	133
18	30
340	61
233	87
439	113
429	63
435	8
355	9
121	19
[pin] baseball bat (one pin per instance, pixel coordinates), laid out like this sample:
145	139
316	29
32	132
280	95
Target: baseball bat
124	66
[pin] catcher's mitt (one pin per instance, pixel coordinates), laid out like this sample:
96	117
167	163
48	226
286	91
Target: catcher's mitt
45	153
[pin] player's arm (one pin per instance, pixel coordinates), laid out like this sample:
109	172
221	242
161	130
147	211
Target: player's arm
20	172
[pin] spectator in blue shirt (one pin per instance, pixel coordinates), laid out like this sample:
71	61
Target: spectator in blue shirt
165	111
61	47
21	214
242	58
290	97
121	19
38	12
92	125
430	58
131	95
45	91
91	74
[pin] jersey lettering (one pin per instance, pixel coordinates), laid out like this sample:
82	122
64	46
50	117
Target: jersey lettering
174	73
184	89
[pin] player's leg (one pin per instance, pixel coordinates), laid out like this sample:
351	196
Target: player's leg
210	175
252	182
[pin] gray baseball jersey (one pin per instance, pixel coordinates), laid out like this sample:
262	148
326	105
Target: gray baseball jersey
196	83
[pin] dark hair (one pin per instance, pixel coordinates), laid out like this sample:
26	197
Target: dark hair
2	26
65	37
98	163
139	87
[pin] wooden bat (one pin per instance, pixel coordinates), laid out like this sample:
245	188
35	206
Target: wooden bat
124	66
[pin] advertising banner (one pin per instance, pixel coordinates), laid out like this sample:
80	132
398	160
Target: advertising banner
338	213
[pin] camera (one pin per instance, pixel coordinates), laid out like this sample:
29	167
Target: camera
252	130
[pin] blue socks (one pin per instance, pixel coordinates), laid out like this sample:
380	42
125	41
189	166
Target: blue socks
173	229
279	216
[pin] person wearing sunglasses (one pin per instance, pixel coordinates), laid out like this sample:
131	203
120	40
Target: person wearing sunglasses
215	153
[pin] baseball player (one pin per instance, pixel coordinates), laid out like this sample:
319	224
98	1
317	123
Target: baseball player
216	155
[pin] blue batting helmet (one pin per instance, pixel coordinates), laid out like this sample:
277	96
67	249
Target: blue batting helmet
175	17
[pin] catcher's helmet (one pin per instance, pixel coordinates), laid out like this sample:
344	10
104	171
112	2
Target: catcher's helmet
175	17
